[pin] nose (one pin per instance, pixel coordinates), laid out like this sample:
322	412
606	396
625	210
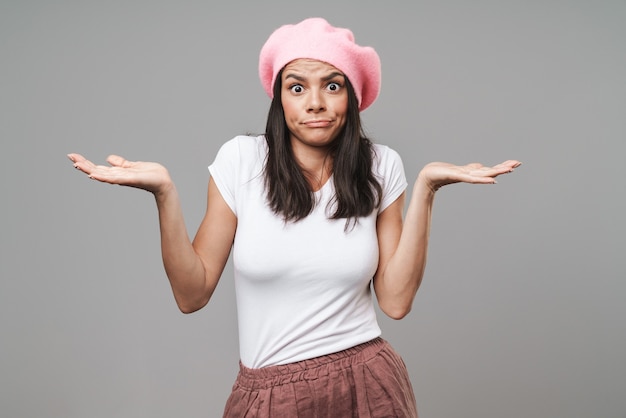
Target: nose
316	101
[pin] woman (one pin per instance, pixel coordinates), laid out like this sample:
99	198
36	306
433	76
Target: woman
314	213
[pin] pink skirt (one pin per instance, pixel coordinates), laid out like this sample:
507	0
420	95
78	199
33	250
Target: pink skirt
366	381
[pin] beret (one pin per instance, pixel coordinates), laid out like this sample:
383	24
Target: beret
315	38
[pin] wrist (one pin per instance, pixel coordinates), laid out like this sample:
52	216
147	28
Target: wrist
424	189
164	191
424	185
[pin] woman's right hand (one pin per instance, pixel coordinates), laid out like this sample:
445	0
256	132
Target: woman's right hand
149	176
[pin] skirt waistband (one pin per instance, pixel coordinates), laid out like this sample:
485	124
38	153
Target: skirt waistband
309	369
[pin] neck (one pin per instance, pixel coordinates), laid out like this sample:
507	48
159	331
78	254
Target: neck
319	176
316	165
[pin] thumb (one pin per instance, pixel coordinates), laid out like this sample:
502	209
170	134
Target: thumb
117	161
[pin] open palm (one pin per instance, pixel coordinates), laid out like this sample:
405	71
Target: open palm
438	174
149	176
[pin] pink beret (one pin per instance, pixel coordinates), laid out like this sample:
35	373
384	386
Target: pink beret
315	38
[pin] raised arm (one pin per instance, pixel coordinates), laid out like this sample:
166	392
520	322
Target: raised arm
404	246
194	268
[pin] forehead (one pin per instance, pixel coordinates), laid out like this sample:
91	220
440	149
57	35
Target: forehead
310	66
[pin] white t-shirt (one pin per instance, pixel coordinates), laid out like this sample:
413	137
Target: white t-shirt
303	288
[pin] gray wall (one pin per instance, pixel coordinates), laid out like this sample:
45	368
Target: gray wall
521	312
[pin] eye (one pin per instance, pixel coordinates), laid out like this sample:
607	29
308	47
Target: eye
334	86
296	88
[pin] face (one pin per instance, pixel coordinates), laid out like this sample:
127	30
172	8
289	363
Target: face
315	103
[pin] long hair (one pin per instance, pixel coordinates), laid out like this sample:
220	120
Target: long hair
289	194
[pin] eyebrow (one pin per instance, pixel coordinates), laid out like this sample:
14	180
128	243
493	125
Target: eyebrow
325	78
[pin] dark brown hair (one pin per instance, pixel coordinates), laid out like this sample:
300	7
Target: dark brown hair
289	194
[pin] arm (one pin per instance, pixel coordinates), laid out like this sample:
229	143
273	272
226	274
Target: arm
404	246
194	268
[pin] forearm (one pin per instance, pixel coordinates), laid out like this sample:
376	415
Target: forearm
183	265
402	266
192	268
397	285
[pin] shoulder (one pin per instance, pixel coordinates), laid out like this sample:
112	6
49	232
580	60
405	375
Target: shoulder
386	158
242	151
244	145
388	167
238	161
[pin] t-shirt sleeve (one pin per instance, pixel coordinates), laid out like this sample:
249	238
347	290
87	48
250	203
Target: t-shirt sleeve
393	177
225	171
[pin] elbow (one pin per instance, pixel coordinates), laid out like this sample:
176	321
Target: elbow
395	306
188	309
396	299
397	313
190	306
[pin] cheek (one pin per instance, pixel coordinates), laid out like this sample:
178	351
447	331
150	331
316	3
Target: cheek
288	109
341	106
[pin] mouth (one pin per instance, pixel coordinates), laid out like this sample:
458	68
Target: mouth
317	123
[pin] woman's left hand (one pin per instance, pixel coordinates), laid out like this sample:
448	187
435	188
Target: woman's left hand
436	175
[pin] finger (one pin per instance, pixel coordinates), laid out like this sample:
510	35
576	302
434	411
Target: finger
78	159
502	168
112	175
509	164
75	157
100	174
476	179
486	175
81	163
482	179
117	161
